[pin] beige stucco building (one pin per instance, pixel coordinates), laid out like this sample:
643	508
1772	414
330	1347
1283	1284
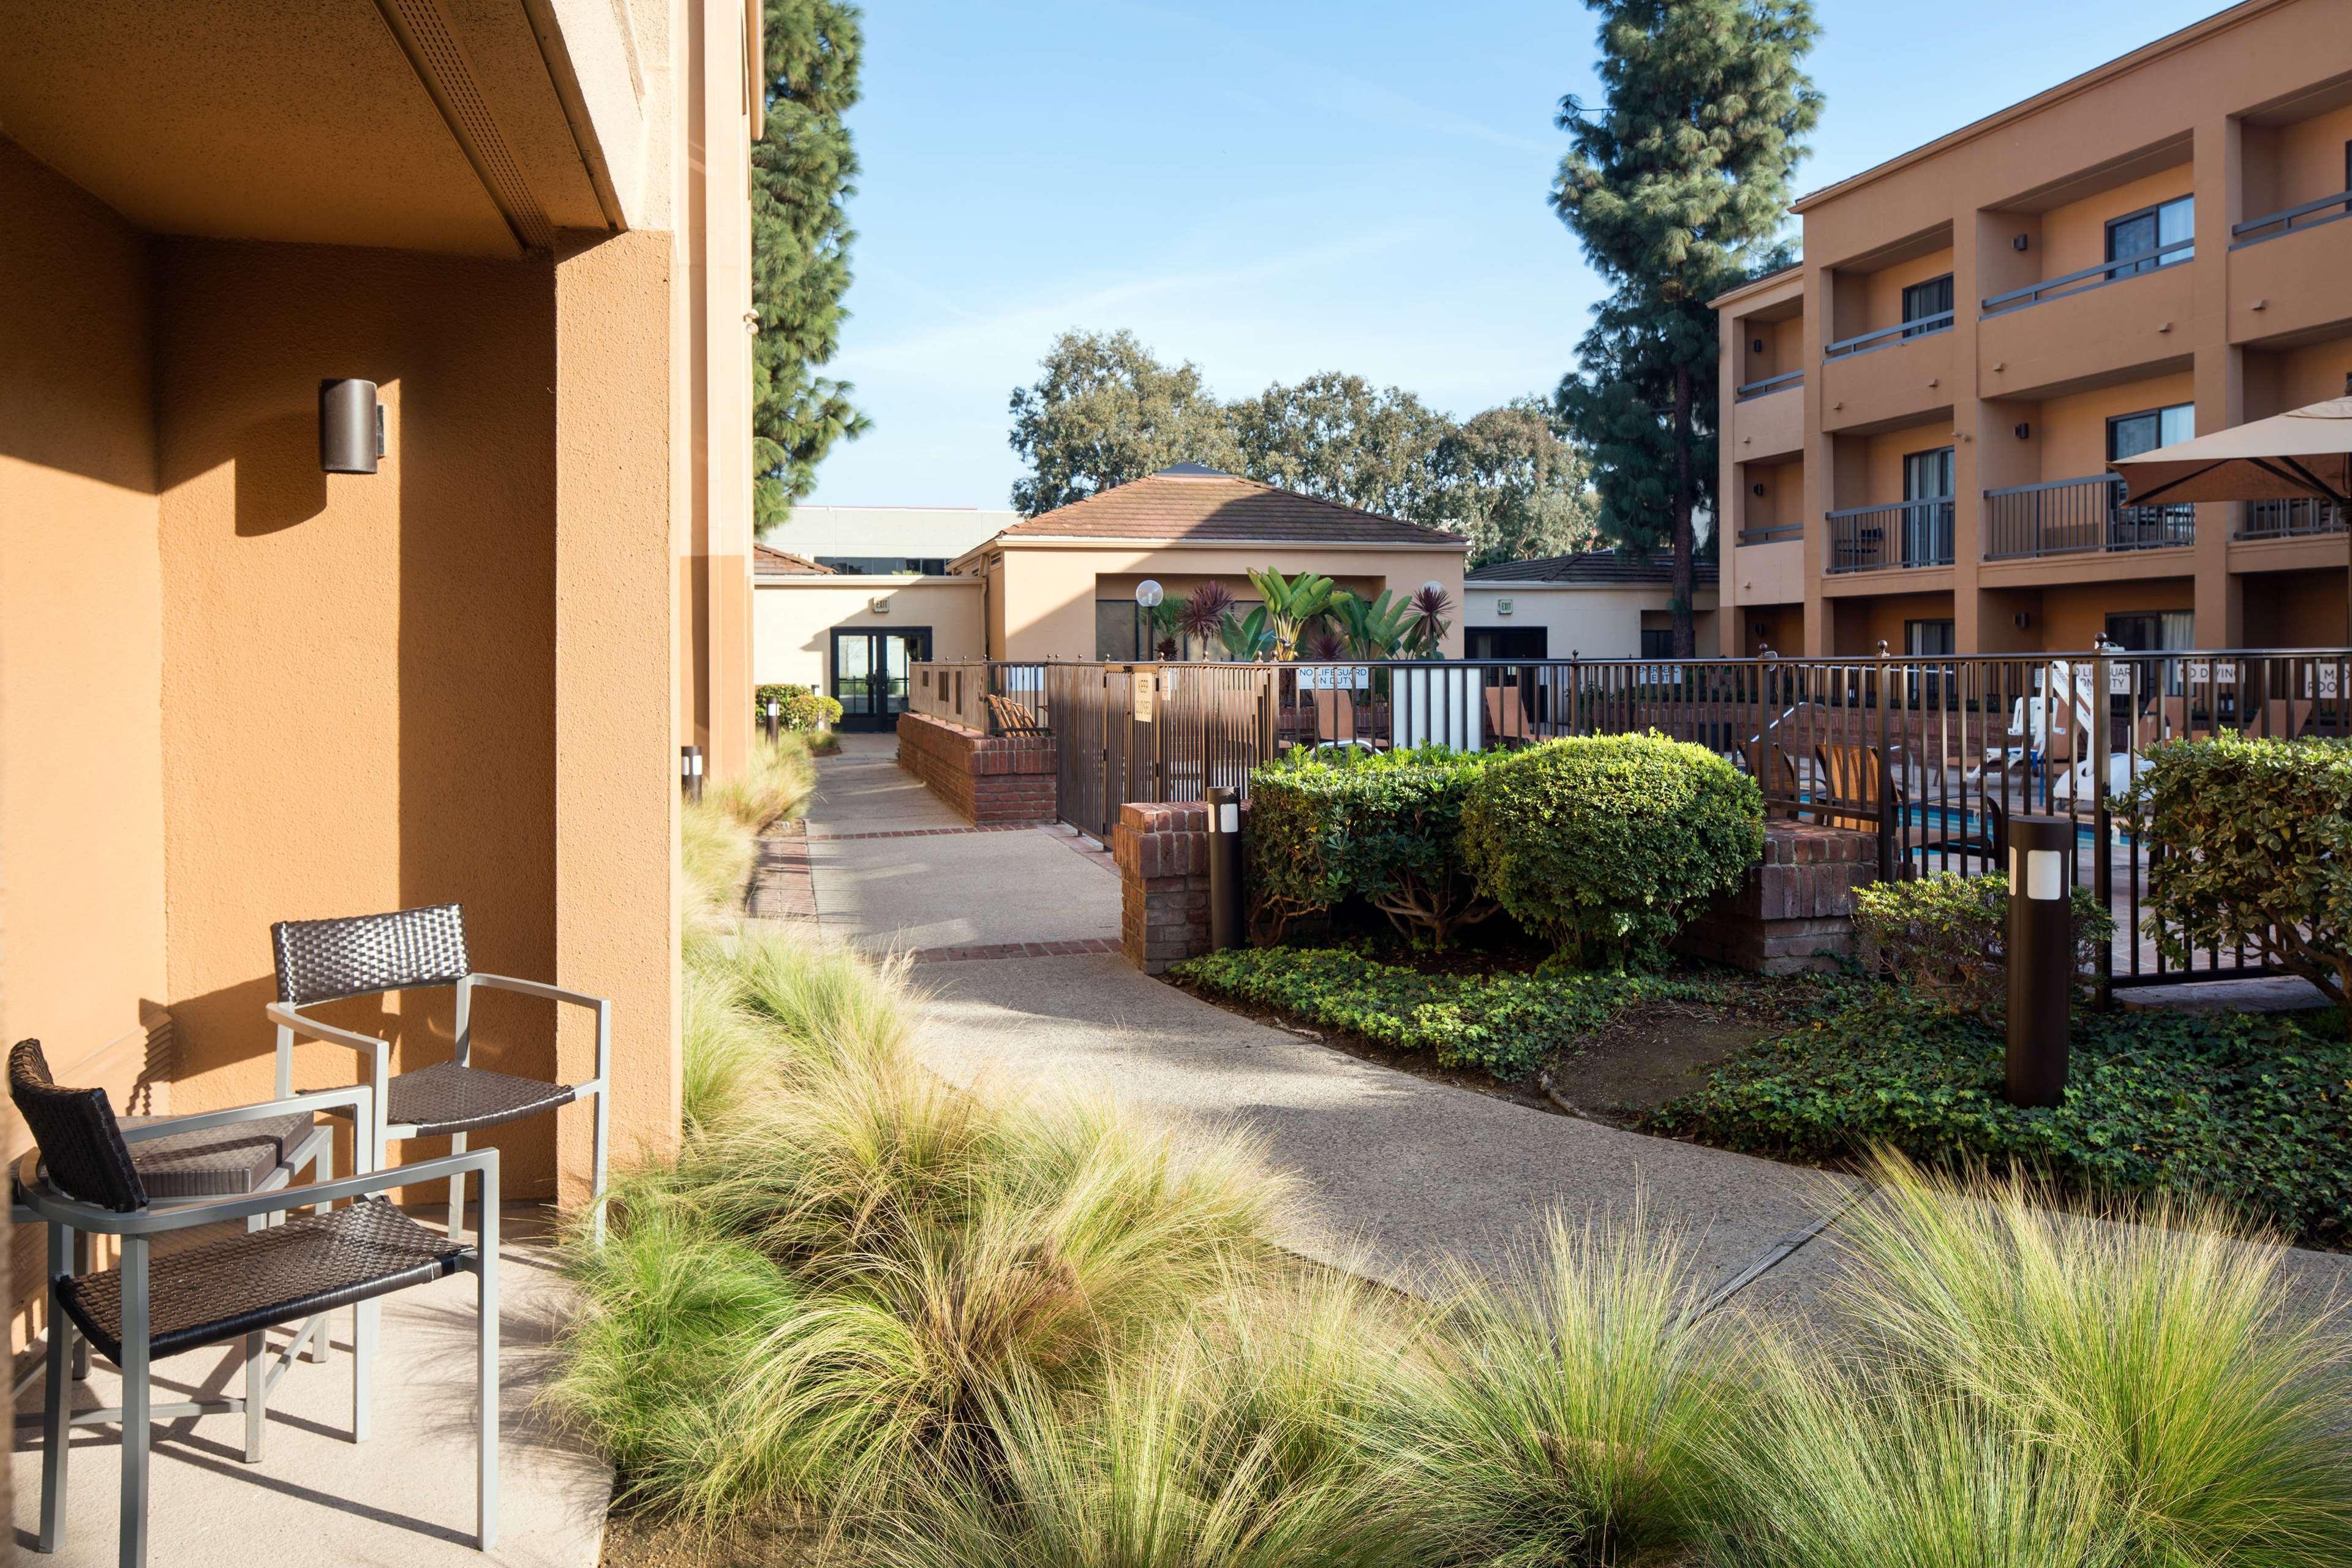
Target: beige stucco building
1595	604
236	689
1918	418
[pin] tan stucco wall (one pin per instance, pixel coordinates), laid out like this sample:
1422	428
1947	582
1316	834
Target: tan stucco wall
1593	623
358	692
795	617
1048	591
82	792
2071	434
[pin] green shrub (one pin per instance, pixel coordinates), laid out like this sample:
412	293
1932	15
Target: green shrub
1608	844
803	707
1326	826
2255	841
1946	935
1506	1025
2249	1109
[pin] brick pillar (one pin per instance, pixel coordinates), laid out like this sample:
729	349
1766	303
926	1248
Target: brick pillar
1162	853
1795	910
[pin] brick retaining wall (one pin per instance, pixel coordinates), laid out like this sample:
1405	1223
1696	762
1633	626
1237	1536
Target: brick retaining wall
1162	855
988	779
1795	911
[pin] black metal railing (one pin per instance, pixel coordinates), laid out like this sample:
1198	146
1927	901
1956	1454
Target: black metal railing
2301	517
1930	755
2071	516
2089	277
1769	383
1900	534
2291	220
1767	535
1887	337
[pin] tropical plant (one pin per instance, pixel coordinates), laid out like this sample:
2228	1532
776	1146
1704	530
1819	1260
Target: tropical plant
1291	604
2257	835
1324	645
1203	613
1430	605
1674	187
1246	638
1375	628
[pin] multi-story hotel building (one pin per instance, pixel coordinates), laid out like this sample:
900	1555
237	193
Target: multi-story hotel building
1917	419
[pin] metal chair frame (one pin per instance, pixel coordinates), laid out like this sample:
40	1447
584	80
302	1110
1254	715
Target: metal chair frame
315	1152
69	1216
293	1023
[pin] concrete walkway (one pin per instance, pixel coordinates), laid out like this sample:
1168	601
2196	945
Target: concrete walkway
405	1497
1400	1174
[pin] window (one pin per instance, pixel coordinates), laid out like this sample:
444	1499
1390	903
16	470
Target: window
2129	435
1657	642
1929	302
2142	233
1506	642
885	565
1929	640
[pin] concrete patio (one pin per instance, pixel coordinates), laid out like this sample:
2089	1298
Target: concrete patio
405	1497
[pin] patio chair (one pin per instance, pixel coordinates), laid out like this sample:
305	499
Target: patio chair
1011	718
178	1164
408	950
157	1303
1853	774
1775	774
1507	723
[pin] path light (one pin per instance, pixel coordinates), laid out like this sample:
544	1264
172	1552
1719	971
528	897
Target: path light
2040	950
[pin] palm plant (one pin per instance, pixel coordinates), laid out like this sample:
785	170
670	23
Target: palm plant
1203	614
1291	604
1430	605
1324	645
1375	628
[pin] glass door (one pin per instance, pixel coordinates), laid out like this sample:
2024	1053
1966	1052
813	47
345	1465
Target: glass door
1927	514
871	672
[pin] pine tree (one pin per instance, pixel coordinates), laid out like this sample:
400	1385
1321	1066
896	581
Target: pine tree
1674	189
802	167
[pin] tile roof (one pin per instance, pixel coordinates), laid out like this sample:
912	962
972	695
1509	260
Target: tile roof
1591	566
767	561
1199	505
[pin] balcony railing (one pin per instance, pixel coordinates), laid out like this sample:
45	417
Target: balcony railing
2294	220
1887	337
2300	518
1769	383
2074	517
1768	535
1906	534
2090	278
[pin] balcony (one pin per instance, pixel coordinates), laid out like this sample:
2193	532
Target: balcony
1768	384
2293	220
2076	517
1881	538
2303	518
1772	535
1888	337
2090	278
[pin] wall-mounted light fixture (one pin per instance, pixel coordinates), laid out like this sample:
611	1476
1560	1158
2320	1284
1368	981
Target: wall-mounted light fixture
2022	620
2023	431
351	426
1756	345
2019	243
1759	488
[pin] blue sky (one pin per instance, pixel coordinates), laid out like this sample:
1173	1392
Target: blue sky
1275	188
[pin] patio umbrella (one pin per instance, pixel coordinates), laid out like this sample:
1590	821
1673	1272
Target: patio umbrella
2304	453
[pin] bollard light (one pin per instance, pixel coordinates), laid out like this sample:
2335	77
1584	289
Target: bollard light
689	772
1224	868
774	718
2040	947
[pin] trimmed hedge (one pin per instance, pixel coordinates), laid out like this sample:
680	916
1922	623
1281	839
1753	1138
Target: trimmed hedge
1326	826
2257	841
1505	1024
804	707
2251	1109
1948	936
1608	844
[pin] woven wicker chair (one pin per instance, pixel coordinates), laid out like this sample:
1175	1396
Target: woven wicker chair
179	1165
365	955
232	1288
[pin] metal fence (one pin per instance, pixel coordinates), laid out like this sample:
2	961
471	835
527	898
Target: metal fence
1930	755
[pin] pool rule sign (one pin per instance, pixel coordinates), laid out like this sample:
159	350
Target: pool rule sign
2041	943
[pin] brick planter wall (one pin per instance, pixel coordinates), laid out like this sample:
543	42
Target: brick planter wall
1795	911
1162	855
989	781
